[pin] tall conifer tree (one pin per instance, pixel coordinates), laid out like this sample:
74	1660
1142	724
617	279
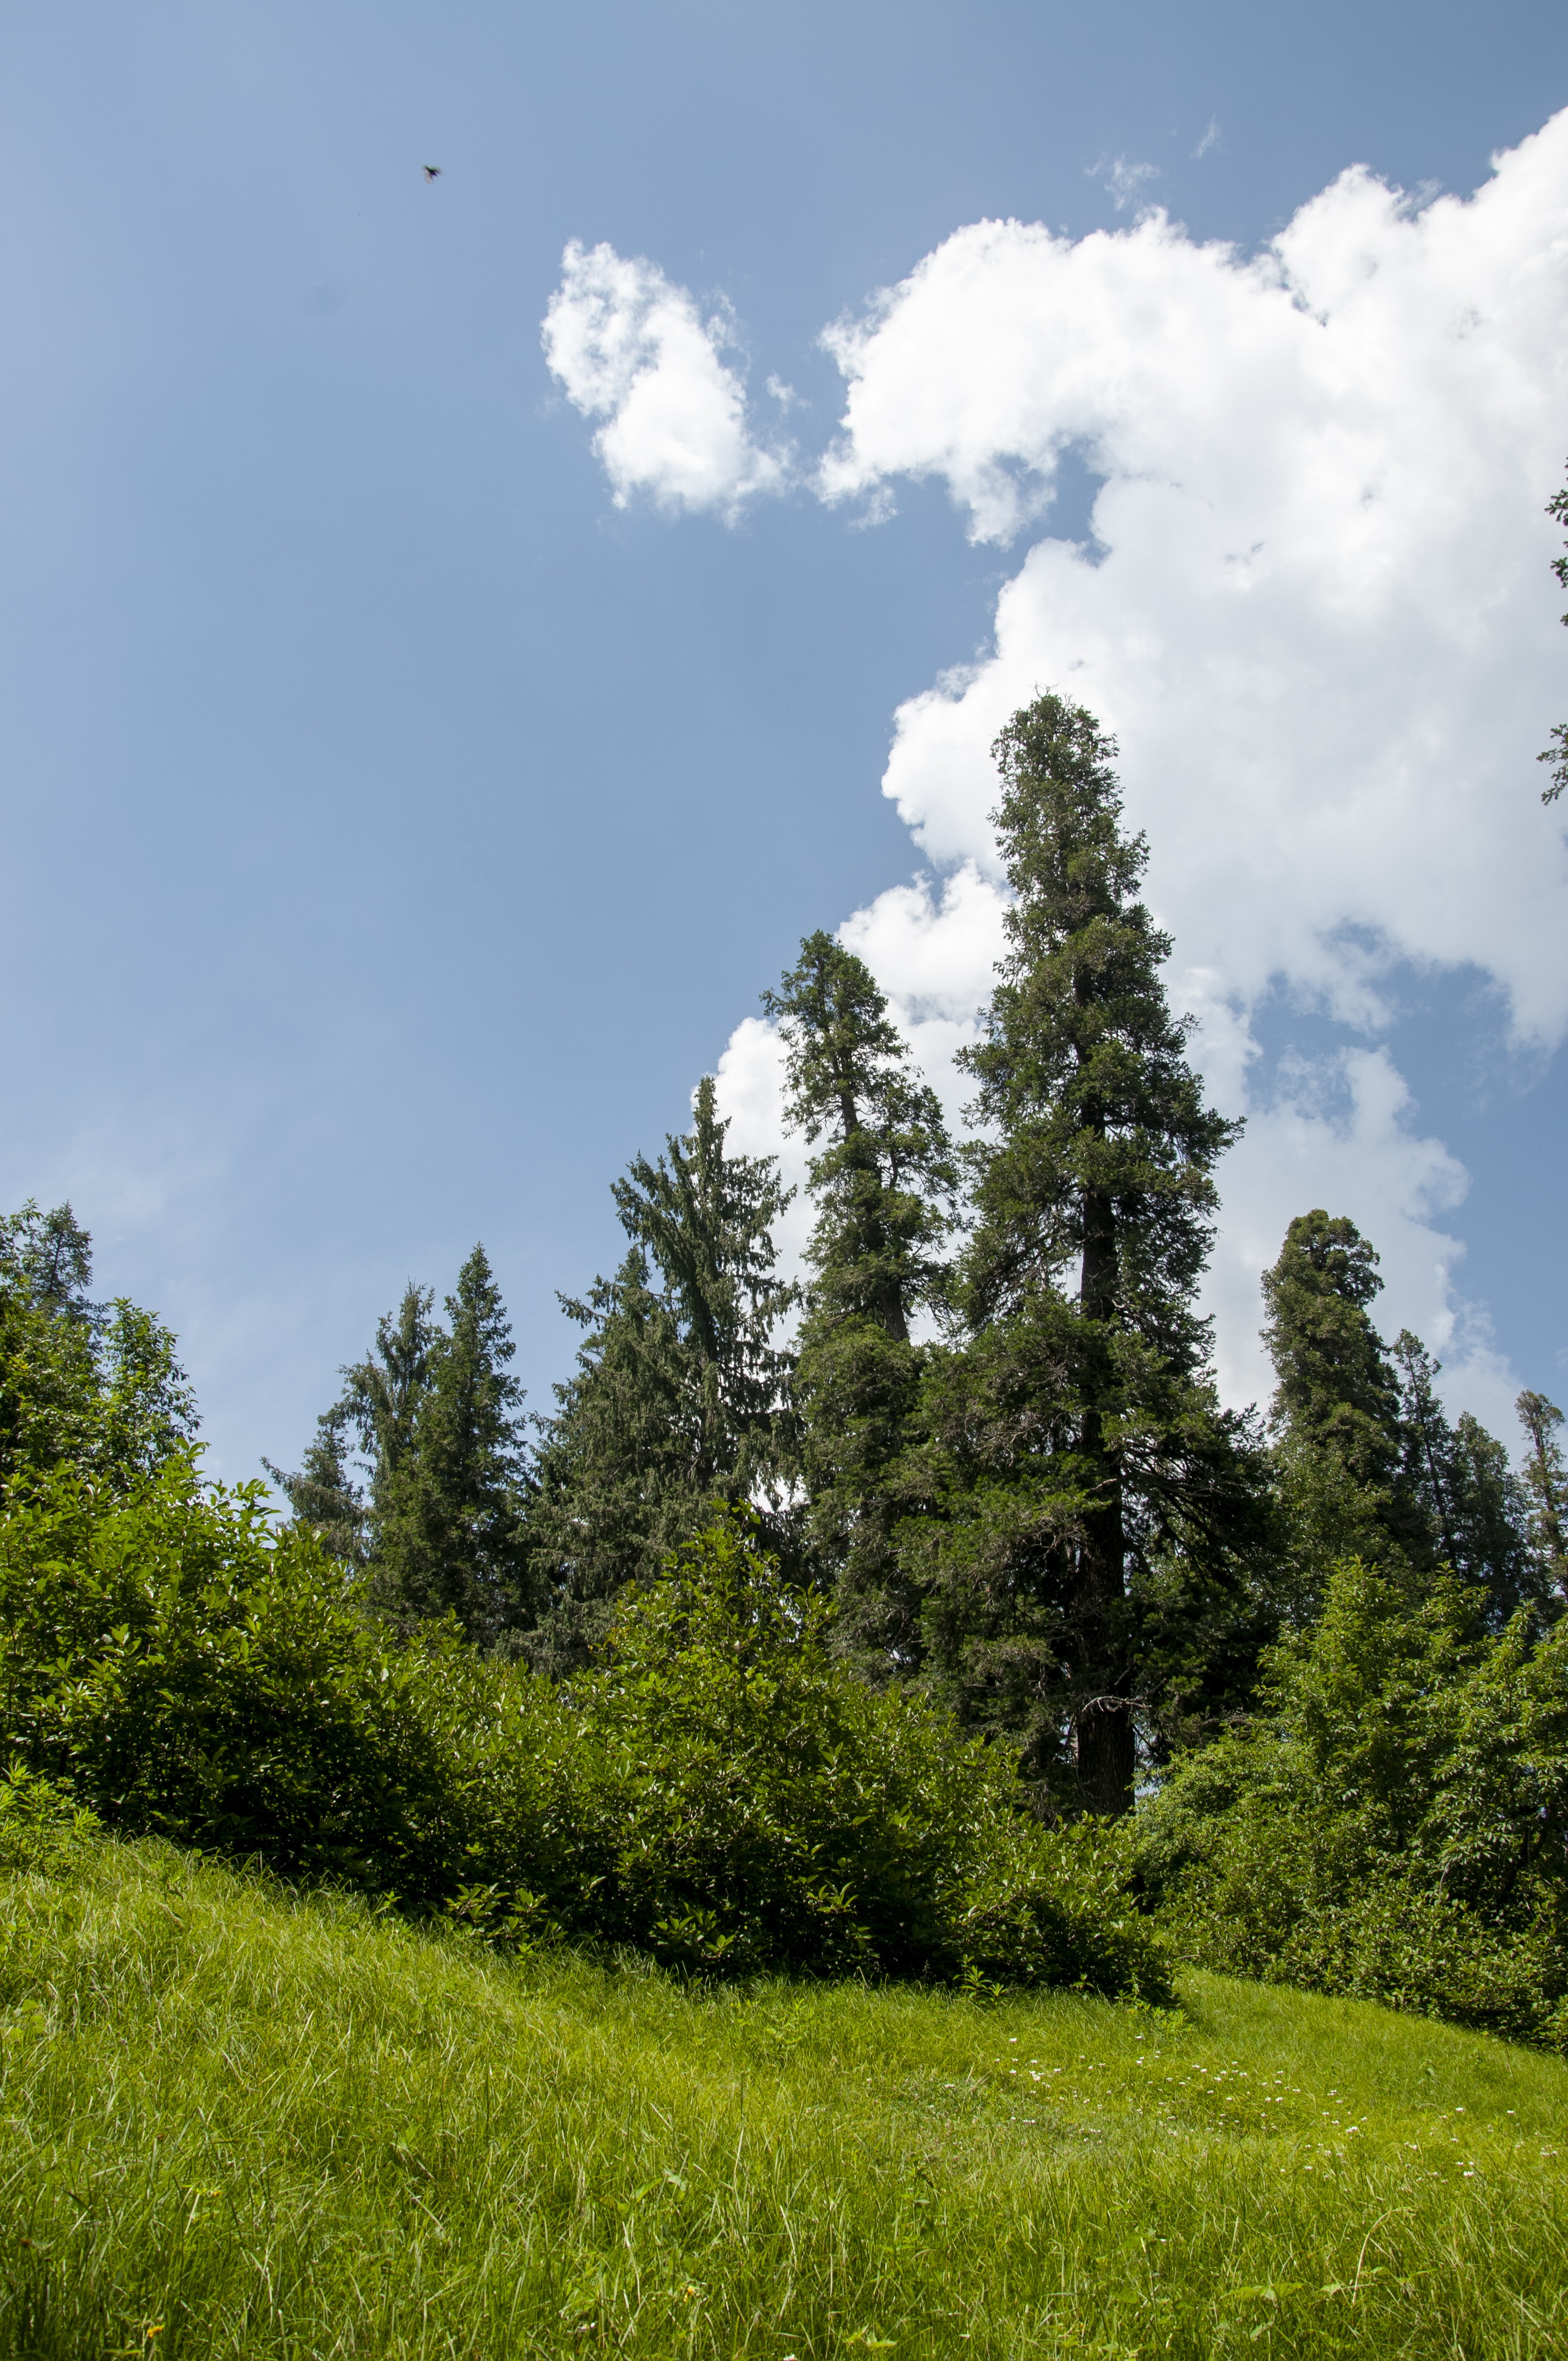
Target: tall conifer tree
323	1492
679	1398
1092	1483
97	1384
1458	1476
1336	1417
882	1180
435	1415
1546	1484
447	1512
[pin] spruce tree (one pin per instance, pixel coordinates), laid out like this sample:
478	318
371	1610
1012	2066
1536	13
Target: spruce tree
680	1394
616	1492
382	1393
323	1493
447	1501
1458	1476
437	1519
97	1385
1336	1421
1100	1509
883	1181
1546	1487
705	1219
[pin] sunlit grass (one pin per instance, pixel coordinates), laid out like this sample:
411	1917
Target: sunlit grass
234	2123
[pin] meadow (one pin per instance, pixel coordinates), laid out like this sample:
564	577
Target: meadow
241	2120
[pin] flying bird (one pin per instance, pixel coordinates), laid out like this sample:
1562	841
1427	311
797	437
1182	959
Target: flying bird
433	171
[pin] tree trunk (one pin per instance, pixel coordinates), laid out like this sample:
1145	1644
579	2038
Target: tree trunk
1105	1723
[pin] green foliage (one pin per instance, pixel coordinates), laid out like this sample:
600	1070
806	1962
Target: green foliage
1367	1462
721	1791
617	1489
1458	1477
43	1830
883	1181
1546	1489
1335	1395
446	1519
679	1397
436	1413
1395	1821
303	2128
755	1804
97	1385
323	1494
193	1672
1078	1453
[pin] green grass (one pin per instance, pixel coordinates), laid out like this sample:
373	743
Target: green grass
237	2124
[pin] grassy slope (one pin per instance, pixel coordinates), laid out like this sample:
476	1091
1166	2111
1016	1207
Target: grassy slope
234	2125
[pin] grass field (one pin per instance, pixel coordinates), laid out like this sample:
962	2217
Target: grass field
235	2123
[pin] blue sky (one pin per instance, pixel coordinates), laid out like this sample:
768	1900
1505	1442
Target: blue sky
396	827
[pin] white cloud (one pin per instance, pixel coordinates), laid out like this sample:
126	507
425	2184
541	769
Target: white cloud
1210	139
1315	609
634	350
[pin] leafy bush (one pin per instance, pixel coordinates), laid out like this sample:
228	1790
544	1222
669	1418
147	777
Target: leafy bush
746	1801
42	1826
721	1791
1395	1822
202	1675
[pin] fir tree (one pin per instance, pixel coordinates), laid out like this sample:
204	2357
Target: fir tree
882	1180
97	1385
1546	1487
705	1219
447	1500
616	1491
1097	1501
382	1393
323	1494
1336	1413
678	1398
1458	1476
1335	1390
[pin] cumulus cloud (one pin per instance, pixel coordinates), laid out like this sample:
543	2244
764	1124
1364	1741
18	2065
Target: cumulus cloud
630	347
1315	609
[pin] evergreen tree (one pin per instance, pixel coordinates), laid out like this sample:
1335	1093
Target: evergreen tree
705	1219
438	1517
881	1181
383	1393
679	1396
447	1500
97	1385
1336	1421
323	1494
1546	1488
1099	1507
615	1492
1458	1476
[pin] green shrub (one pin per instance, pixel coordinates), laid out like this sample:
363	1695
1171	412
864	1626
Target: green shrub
42	1826
719	1791
1395	1821
745	1801
201	1676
